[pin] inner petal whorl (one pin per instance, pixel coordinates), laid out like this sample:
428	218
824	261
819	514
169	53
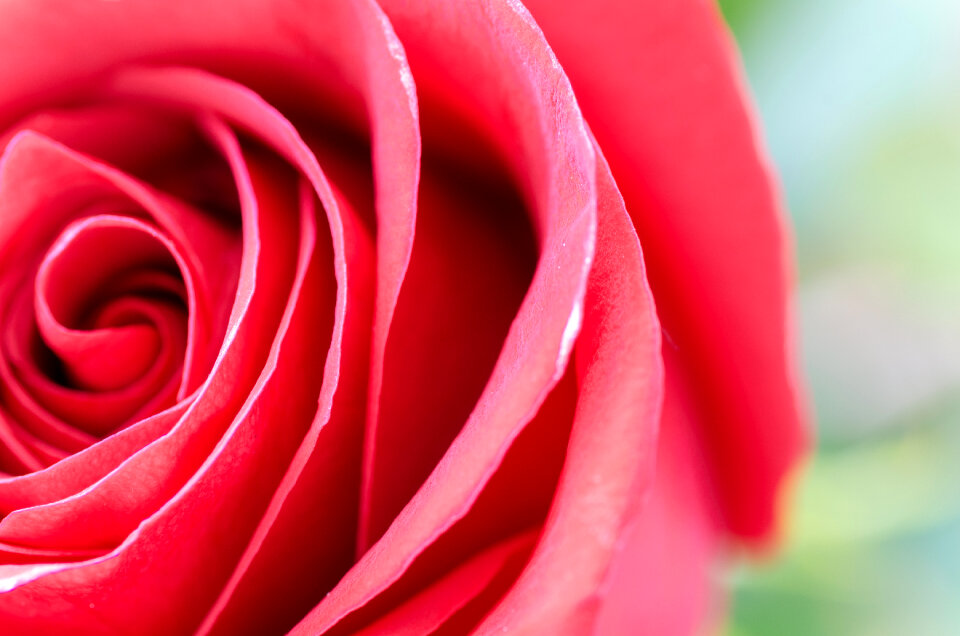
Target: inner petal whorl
85	312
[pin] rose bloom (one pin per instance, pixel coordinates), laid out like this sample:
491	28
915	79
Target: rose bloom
331	316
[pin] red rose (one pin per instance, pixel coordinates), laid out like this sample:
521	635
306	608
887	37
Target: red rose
330	316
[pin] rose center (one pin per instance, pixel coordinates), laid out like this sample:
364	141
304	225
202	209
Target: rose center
109	302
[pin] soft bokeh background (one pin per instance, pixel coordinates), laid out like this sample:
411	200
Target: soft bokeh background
860	104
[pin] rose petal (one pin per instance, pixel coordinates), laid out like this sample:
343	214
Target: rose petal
154	386
307	46
672	540
251	452
473	259
114	355
554	146
50	184
17	449
85	520
659	84
142	142
515	500
78	471
427	611
610	456
306	537
188	87
34	211
14	554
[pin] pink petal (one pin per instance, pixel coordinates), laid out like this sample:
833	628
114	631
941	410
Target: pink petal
610	455
305	538
44	171
661	88
663	577
540	121
448	596
216	517
472	263
85	520
72	474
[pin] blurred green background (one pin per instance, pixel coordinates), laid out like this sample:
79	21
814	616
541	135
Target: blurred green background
860	104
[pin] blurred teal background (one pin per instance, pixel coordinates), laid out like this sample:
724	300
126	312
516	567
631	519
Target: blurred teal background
860	104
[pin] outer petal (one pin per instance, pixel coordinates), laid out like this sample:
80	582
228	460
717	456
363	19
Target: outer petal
659	582
610	455
658	83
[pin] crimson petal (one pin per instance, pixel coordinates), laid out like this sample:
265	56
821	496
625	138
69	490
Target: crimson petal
660	85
